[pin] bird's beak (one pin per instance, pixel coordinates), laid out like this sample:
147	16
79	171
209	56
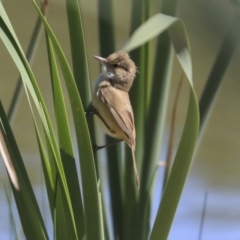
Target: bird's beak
100	59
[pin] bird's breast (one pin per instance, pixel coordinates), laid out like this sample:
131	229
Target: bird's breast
109	124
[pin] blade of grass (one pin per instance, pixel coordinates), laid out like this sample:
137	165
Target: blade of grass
65	144
79	60
187	143
137	97
88	171
171	135
159	94
30	56
60	229
219	68
47	171
147	31
203	216
63	230
8	161
146	71
78	51
114	158
137	92
150	29
106	28
65	216
156	113
178	174
148	60
31	219
12	44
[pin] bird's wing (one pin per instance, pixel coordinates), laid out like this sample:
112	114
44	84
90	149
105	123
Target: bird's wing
119	105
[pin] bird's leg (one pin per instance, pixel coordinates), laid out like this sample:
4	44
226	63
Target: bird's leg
96	148
93	111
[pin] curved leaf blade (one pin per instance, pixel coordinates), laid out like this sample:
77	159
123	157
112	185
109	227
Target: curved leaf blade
216	76
78	51
47	171
66	146
88	172
148	30
7	160
151	28
31	219
11	42
178	174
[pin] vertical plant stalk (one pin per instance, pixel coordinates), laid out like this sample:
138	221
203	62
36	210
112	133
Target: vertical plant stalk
4	151
148	59
28	209
92	205
219	68
37	31
106	28
106	47
178	174
137	97
78	51
65	145
171	135
80	63
159	95
155	122
137	92
203	216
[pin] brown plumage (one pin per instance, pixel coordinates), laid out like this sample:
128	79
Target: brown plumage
111	99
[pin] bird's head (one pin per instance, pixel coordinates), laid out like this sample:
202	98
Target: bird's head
119	69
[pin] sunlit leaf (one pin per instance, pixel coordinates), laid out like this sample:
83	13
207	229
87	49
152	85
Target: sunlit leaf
66	147
145	32
9	39
88	171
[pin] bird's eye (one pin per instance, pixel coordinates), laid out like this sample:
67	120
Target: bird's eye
115	65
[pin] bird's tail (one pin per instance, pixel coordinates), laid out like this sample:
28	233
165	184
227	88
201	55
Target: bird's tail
135	168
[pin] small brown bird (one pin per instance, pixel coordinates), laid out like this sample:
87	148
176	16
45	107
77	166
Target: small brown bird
111	99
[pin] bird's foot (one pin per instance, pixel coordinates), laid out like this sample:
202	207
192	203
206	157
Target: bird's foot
96	148
90	112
